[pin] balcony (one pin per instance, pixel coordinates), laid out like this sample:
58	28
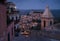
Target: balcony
9	21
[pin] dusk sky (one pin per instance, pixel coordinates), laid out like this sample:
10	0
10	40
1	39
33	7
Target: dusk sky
36	4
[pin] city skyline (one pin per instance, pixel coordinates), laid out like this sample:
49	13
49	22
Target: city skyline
36	4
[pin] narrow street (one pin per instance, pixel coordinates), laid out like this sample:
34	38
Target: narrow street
34	36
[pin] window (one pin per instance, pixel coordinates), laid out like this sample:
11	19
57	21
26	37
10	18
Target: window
44	23
12	31
50	22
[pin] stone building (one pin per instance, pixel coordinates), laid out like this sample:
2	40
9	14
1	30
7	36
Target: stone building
3	26
47	18
12	15
9	17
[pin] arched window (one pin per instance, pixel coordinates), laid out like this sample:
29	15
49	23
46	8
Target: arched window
16	17
44	23
50	22
12	31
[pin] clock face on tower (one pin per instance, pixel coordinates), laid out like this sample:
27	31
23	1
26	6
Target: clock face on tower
2	1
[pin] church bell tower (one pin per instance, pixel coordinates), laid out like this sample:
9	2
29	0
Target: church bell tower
47	18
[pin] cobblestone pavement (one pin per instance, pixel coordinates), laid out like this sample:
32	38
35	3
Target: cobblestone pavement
34	36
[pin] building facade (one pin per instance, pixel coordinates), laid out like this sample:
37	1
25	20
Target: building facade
12	19
3	26
9	17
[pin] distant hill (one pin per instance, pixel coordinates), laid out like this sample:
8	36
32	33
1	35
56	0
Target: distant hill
56	13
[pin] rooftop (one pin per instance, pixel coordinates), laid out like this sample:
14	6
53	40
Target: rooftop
47	13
